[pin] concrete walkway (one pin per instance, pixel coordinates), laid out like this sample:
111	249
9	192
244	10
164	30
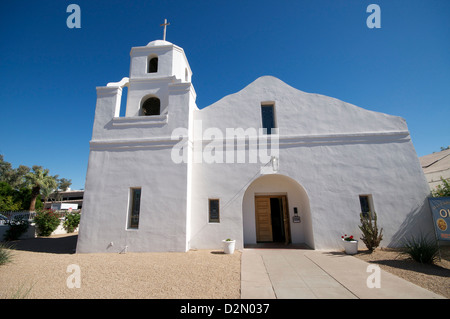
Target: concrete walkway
309	274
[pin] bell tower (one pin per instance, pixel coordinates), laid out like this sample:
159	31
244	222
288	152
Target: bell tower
131	174
153	69
159	88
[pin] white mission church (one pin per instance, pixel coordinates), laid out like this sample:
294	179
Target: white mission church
269	163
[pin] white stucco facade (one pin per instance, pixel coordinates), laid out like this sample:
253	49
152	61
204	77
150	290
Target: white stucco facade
325	155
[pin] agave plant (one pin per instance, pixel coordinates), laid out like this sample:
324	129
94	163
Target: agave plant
422	249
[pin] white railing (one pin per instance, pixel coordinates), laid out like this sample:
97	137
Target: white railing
11	215
25	214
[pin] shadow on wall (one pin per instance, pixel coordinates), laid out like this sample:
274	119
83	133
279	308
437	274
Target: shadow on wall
417	223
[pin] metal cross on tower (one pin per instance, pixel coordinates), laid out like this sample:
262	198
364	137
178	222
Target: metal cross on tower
165	24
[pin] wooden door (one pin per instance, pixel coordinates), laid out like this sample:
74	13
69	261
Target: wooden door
287	229
263	219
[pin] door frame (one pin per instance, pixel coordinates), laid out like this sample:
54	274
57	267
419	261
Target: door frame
285	218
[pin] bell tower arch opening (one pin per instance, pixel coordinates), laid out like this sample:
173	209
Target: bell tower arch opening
151	106
152	64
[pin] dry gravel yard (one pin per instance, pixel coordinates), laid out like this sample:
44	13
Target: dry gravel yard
39	270
434	277
41	273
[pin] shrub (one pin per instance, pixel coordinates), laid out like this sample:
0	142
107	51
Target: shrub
5	254
71	222
371	236
422	250
18	226
46	222
442	190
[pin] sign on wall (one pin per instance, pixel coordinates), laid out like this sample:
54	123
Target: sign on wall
440	209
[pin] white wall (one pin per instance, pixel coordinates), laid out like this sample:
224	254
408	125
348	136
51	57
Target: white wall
330	152
334	151
111	174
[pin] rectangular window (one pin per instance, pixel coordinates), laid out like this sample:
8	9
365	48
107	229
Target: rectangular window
366	205
214	211
135	205
268	117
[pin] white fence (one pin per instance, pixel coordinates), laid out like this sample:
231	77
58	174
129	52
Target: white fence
31	233
25	214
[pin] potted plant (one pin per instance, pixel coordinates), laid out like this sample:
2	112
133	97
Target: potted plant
228	246
350	244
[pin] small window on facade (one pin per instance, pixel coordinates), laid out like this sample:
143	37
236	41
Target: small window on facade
214	211
135	206
153	65
366	205
268	118
151	106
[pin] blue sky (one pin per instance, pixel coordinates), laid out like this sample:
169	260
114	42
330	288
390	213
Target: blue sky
49	72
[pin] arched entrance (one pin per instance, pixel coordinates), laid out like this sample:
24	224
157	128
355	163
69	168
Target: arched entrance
276	209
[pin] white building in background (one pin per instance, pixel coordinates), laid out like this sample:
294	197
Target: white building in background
64	200
171	177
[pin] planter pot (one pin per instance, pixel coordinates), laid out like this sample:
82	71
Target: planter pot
228	246
351	247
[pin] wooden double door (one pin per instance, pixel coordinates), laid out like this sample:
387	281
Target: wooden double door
272	219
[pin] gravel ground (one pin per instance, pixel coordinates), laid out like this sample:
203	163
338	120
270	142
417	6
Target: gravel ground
434	277
38	270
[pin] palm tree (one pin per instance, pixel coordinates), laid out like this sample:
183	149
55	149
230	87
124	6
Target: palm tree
39	178
46	191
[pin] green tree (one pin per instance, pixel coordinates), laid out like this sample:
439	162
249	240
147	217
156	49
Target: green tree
15	177
17	180
8	198
64	184
39	178
5	169
20	188
23	195
47	190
